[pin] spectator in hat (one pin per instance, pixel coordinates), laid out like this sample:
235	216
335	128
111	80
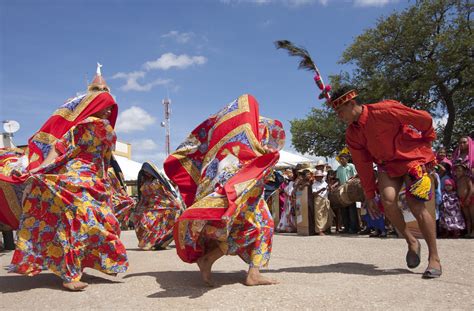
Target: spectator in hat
321	166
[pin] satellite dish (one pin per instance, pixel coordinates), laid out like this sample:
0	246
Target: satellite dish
11	126
163	124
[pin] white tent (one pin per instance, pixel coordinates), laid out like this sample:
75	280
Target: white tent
288	159
129	168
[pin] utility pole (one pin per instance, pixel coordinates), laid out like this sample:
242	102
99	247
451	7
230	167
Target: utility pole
166	124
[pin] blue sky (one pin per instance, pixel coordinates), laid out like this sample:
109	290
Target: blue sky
203	54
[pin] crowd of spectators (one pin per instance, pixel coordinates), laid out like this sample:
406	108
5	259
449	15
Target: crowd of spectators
453	194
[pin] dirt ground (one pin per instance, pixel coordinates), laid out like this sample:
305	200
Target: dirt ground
330	272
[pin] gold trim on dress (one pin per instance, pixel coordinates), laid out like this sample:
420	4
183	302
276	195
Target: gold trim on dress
72	115
243	106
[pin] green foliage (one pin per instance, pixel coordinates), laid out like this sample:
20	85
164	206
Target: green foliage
422	57
320	133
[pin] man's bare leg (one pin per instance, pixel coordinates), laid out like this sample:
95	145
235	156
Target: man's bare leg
254	277
205	264
428	228
389	188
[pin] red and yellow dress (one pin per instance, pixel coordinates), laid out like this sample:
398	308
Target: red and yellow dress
158	209
122	203
15	163
220	171
68	222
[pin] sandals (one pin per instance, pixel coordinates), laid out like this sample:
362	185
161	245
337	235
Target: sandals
413	258
432	273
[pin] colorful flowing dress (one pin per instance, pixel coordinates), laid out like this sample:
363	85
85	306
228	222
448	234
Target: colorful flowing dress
287	217
122	203
451	218
220	171
68	222
12	164
158	208
15	163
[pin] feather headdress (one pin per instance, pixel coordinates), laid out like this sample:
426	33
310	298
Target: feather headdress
307	64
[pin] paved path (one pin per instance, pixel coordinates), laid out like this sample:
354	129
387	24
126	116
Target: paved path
331	272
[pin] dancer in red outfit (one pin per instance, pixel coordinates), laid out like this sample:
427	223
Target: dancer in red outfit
398	139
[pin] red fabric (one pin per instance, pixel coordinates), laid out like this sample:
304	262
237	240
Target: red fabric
6	214
238	132
178	173
391	135
57	126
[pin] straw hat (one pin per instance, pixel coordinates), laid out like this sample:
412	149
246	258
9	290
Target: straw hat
320	162
319	173
300	167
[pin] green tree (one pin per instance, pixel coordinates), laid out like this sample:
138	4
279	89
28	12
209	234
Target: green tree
320	133
422	56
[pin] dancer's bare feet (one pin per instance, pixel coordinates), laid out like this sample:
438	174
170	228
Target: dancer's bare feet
75	285
205	265
254	277
434	263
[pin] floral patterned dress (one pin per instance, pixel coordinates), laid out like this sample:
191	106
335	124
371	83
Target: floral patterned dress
451	217
122	203
220	170
68	222
155	215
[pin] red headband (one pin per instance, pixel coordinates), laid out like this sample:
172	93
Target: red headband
343	99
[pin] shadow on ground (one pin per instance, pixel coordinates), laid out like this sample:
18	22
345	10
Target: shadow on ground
16	283
345	268
188	284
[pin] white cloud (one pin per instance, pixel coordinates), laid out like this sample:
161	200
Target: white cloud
376	3
266	23
180	37
298	3
156	158
169	60
144	144
133	119
132	83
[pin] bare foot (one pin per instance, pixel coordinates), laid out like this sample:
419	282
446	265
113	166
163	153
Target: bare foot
75	285
254	278
205	265
321	233
434	263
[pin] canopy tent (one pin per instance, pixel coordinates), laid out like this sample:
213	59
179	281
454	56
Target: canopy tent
129	168
288	159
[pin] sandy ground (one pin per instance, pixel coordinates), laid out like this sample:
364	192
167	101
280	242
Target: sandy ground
331	272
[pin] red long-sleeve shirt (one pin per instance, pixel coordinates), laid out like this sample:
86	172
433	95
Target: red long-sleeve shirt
392	135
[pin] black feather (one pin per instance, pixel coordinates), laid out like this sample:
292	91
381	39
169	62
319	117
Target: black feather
306	61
